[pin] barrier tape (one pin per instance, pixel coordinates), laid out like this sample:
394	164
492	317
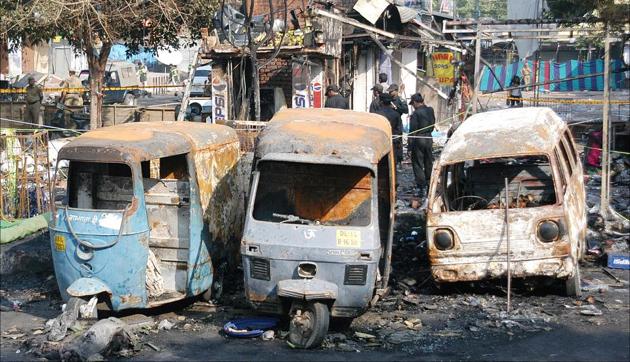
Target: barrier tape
81	90
561	101
393	137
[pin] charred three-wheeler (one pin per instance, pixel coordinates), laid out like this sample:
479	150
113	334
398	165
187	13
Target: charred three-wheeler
319	222
147	212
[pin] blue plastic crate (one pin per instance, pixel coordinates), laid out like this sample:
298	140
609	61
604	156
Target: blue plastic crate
619	261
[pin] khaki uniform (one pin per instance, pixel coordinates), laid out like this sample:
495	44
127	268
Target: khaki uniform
73	97
34	98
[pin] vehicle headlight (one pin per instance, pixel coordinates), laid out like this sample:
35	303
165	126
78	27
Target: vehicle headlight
548	231
443	239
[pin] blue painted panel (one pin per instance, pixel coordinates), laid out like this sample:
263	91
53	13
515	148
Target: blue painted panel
200	271
119	262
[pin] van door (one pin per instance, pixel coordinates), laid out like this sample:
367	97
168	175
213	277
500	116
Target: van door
167	195
569	199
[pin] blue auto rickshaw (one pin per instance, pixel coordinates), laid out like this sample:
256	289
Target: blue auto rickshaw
147	212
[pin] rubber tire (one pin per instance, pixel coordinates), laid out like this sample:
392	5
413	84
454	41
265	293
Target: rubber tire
129	100
573	285
207	295
321	320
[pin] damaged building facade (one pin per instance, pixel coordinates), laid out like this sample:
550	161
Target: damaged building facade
345	43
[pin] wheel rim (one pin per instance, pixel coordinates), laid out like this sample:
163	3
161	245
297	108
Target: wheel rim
302	323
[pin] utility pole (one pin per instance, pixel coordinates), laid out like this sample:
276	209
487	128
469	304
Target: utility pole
477	69
477	10
605	191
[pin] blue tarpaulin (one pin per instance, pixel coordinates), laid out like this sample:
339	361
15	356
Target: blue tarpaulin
550	71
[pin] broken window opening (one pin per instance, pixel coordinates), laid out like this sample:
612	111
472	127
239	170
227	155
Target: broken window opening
480	184
166	168
302	193
99	186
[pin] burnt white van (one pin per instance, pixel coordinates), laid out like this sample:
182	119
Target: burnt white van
546	211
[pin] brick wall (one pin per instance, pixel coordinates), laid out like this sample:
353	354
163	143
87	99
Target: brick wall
277	74
261	7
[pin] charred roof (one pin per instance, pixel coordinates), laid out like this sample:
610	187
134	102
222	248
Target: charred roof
508	132
326	136
144	141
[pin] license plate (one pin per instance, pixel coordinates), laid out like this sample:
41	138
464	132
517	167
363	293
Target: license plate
348	239
60	243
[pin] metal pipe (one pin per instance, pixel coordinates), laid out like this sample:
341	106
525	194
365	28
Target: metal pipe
477	72
605	192
507	239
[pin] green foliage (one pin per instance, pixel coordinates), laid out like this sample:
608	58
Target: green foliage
494	9
614	12
152	24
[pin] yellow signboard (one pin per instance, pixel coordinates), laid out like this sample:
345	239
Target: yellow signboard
348	238
443	69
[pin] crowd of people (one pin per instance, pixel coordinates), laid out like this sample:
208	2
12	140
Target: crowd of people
386	101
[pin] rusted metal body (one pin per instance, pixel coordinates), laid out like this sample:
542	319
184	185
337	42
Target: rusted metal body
319	222
149	211
533	148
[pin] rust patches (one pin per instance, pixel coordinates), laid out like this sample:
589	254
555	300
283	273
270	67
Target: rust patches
334	115
350	135
134	206
130	299
255	297
561	248
145	141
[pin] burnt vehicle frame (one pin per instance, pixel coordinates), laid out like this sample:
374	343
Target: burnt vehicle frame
319	222
466	213
148	212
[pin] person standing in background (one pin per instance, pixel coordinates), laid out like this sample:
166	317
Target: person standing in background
34	97
334	99
421	124
376	105
143	75
400	105
72	95
526	72
393	116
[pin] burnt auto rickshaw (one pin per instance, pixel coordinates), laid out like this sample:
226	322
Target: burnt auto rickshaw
507	196
148	211
319	222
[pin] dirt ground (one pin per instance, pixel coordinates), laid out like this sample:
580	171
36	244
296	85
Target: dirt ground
417	320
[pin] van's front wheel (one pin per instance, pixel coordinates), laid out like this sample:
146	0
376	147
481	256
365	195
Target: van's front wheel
309	324
573	285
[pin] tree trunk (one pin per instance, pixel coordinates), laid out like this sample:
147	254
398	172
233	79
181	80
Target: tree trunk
97	61
256	84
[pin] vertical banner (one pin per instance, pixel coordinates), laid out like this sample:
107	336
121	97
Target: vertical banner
300	84
220	99
316	87
443	69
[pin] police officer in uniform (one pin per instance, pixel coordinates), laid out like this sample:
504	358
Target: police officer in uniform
376	105
72	96
34	99
387	110
421	123
399	104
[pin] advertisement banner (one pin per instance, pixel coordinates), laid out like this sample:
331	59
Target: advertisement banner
300	97
443	68
219	94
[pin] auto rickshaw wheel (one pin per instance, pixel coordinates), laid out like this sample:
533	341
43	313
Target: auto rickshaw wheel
309	324
207	295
